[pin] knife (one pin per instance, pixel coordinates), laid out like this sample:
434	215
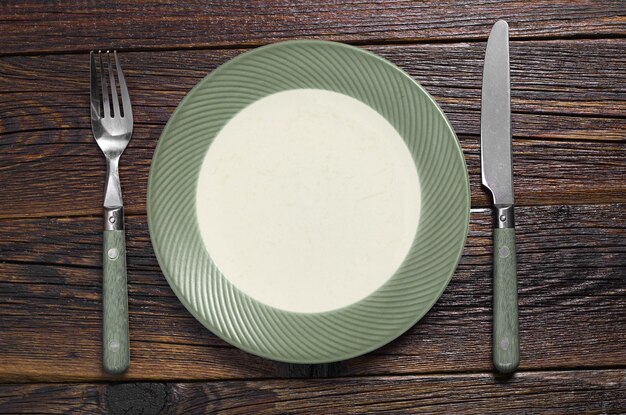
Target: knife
497	176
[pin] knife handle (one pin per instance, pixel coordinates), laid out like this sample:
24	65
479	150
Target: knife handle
505	325
115	342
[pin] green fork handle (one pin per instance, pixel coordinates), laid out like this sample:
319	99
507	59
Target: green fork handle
115	342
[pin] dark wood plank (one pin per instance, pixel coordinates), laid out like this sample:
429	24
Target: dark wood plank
46	134
551	392
63	172
572	263
552	81
36	25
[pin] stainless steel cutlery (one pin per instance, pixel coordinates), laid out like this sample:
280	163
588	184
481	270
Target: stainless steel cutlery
497	176
112	126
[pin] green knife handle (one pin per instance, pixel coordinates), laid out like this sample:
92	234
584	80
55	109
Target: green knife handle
505	325
115	346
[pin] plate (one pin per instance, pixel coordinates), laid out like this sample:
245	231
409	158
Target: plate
308	201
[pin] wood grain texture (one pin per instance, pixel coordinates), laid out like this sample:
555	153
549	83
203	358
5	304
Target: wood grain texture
554	392
552	81
545	172
562	90
40	26
572	262
569	122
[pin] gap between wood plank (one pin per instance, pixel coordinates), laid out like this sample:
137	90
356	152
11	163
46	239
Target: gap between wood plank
71	215
519	137
480	210
417	375
360	43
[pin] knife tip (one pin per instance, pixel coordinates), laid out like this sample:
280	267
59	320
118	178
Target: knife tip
501	24
499	29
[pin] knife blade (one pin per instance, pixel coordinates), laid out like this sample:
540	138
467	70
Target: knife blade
497	176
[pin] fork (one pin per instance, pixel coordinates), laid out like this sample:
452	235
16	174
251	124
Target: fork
112	127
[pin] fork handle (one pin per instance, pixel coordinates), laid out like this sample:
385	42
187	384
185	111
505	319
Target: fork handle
115	345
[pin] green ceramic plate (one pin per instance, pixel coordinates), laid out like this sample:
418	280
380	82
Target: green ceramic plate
308	201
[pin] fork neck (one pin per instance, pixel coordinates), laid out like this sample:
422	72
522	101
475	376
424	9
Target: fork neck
113	190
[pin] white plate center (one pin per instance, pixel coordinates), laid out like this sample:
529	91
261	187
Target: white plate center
308	200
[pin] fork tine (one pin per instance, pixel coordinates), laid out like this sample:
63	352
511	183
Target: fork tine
116	105
105	94
95	95
128	110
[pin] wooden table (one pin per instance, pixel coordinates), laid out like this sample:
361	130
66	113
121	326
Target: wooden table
568	73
